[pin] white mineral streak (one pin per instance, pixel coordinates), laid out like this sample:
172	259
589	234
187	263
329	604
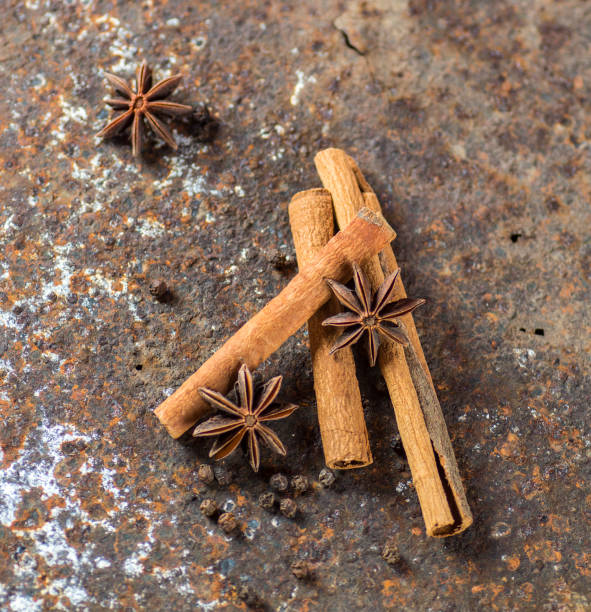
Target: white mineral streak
301	82
35	467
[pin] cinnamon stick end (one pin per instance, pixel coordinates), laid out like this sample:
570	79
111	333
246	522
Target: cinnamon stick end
316	192
349	465
174	426
375	218
444	531
175	416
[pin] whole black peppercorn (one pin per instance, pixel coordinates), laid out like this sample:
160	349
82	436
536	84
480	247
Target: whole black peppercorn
205	124
208	507
205	473
300	569
279	482
250	597
390	552
279	260
326	478
222	475
288	507
227	521
159	289
299	484
267	500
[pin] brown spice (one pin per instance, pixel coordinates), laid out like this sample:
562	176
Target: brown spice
345	441
205	473
326	478
420	421
279	482
390	552
267	500
280	260
145	102
288	507
204	123
250	597
227	521
208	507
299	484
222	475
245	420
375	314
301	569
159	289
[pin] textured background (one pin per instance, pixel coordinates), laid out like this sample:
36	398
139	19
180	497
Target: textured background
471	121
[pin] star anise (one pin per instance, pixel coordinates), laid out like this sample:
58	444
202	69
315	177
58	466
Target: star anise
377	316
246	419
146	101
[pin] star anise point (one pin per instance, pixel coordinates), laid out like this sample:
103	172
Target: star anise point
375	314
145	102
247	418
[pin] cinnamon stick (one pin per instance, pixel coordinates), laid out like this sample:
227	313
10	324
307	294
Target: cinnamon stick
257	339
434	419
418	413
338	399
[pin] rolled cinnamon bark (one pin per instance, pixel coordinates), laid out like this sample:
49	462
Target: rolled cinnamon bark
338	399
418	414
421	376
257	339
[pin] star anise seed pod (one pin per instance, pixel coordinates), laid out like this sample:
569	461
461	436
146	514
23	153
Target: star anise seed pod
146	101
377	316
247	419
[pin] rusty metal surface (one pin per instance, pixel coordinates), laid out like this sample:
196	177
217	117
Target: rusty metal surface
471	121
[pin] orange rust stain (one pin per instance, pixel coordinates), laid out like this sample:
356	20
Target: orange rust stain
436	227
496	589
567	290
118	285
68	363
55	501
558	524
390	592
305	606
491	317
113	422
197	532
30	519
542	550
583	563
513	563
79	395
13	441
182	475
511	447
217	587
